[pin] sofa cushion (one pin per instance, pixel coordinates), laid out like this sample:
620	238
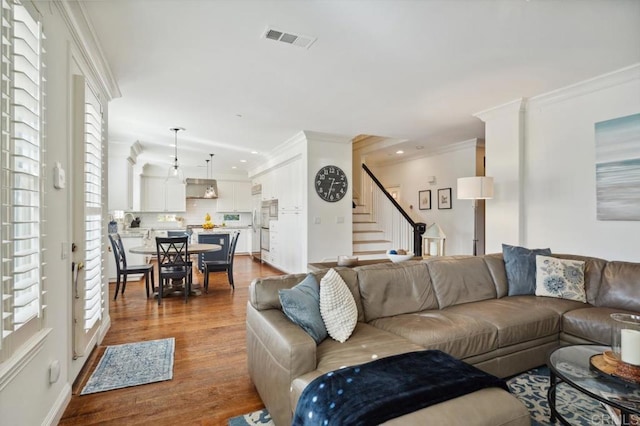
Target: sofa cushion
561	278
365	344
620	287
460	280
263	292
520	265
594	324
337	306
515	320
394	289
301	304
457	335
495	264
559	306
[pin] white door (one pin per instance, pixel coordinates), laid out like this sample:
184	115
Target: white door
89	283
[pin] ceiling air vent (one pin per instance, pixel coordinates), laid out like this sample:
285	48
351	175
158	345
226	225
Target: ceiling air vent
299	40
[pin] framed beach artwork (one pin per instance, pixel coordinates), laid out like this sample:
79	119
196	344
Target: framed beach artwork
444	198
424	200
618	168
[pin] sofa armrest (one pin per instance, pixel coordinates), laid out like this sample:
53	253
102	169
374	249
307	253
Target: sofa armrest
278	351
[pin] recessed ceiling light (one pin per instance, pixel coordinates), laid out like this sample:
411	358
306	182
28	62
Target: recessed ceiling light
243	161
254	152
233	167
400	151
419	147
239	115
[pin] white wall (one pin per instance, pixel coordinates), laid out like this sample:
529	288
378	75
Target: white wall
447	167
329	238
554	199
559	169
29	398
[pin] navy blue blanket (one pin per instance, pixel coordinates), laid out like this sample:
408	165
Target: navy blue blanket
372	393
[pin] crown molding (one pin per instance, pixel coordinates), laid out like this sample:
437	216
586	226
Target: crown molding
515	106
327	137
584	87
84	36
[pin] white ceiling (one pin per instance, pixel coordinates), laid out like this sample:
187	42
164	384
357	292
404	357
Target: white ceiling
414	71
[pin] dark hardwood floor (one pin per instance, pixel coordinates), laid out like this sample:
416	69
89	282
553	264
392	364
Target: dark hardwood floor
210	378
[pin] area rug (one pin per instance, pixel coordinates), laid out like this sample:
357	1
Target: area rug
530	387
132	364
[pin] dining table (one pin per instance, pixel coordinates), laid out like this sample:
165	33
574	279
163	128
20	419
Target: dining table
196	248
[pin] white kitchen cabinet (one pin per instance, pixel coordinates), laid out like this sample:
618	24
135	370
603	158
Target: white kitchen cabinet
234	196
120	184
160	196
175	197
289	242
242	246
290	181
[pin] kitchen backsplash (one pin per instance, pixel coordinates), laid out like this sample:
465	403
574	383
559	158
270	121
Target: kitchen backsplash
196	211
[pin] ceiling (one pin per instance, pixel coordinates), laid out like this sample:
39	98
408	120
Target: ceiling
413	71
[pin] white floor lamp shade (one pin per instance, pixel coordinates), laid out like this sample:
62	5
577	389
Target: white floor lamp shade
475	188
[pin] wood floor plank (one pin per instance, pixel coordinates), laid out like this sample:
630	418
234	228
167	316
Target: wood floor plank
210	378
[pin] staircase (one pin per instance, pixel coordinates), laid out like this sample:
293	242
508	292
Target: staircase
368	236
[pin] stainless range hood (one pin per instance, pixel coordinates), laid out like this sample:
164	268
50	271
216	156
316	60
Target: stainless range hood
197	188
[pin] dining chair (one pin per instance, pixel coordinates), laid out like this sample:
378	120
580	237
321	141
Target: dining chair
123	270
222	265
173	263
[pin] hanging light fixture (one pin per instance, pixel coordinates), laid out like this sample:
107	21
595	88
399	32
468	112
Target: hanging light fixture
175	173
211	191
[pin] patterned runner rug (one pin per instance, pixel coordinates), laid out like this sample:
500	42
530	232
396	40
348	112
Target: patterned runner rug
530	387
132	364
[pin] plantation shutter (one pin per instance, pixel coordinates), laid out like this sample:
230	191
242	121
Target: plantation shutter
93	183
22	123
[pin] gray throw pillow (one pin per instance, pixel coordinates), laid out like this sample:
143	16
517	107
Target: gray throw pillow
301	304
520	264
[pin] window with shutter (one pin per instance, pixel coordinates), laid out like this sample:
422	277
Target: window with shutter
21	131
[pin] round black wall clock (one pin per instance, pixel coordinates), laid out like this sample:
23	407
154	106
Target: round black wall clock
331	183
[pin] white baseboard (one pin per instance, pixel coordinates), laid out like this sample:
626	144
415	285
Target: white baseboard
57	410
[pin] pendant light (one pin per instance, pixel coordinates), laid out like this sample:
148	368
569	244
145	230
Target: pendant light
175	172
211	191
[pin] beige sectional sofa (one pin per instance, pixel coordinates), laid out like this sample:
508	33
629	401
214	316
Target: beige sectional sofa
456	304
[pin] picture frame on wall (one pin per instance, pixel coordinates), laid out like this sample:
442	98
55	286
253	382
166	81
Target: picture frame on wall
444	198
424	199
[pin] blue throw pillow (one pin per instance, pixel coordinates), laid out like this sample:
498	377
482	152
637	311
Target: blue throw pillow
520	264
301	304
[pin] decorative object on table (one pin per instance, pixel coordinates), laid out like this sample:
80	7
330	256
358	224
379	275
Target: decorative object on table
424	199
132	364
475	188
399	255
347	260
135	223
208	224
625	337
123	269
608	365
444	198
175	172
113	226
618	168
529	387
331	183
433	241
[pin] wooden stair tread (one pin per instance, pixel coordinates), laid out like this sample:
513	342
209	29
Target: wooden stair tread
369	252
371	241
364	232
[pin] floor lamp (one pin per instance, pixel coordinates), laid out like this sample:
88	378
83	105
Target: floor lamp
475	188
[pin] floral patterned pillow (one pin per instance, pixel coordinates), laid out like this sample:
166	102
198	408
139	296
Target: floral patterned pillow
562	278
